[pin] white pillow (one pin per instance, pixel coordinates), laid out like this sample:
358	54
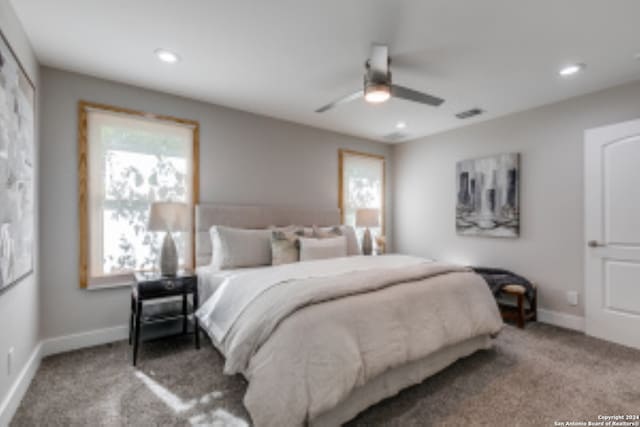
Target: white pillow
353	248
332	247
237	247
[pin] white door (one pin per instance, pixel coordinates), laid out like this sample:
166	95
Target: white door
612	234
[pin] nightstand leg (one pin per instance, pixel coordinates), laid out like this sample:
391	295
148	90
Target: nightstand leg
136	342
131	311
196	326
521	311
185	318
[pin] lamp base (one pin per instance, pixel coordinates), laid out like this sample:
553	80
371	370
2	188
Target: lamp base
168	256
367	242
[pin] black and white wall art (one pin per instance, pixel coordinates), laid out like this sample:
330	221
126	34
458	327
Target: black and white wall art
17	132
488	196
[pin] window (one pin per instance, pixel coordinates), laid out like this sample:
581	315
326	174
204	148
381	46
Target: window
128	160
362	185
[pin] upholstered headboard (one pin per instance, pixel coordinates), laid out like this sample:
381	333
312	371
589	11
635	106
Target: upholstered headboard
252	216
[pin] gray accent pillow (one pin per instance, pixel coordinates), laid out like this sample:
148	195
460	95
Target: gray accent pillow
326	232
285	246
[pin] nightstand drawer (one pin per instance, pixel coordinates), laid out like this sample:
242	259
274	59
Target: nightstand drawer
165	286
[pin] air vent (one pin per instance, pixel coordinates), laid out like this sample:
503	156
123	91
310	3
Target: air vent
395	136
469	113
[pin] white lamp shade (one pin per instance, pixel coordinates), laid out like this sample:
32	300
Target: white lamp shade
368	217
169	216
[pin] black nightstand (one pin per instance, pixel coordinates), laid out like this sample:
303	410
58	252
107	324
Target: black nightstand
153	286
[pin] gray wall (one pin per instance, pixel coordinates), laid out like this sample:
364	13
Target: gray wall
244	158
19	304
550	140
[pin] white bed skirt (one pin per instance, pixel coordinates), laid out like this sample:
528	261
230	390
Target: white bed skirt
395	380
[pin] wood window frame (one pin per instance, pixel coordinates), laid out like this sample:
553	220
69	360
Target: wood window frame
341	155
84	107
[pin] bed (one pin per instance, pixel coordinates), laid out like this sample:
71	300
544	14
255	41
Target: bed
320	341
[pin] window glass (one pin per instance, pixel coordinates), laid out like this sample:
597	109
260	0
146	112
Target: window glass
133	162
362	186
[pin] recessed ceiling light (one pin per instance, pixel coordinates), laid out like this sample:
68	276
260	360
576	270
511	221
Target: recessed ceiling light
570	70
401	125
167	56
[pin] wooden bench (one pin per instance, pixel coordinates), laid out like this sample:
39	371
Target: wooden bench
519	313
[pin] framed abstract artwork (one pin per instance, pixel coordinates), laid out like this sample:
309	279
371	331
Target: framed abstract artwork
17	133
488	196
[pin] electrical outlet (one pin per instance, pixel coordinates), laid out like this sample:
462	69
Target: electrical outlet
10	360
572	298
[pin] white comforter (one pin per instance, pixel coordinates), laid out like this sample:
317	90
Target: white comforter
306	334
239	290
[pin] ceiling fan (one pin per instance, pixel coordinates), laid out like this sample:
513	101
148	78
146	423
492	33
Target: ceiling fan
377	84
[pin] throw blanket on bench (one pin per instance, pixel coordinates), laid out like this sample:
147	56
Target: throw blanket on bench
498	278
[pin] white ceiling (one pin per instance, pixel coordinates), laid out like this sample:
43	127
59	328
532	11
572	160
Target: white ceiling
285	58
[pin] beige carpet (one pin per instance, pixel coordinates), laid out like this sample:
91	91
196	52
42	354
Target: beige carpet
532	377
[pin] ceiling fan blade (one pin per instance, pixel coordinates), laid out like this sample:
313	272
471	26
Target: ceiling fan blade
379	60
415	96
343	100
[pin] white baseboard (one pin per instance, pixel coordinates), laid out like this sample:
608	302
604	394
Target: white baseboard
19	387
65	343
48	347
563	320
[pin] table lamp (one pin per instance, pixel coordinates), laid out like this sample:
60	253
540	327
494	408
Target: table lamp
367	218
169	217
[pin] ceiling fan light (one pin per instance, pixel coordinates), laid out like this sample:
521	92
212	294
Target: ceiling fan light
377	94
